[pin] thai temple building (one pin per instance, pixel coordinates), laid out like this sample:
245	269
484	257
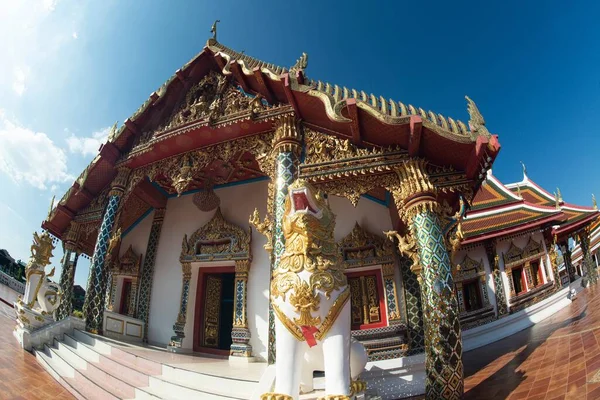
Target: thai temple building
183	214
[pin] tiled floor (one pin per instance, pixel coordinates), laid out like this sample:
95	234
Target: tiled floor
558	358
21	377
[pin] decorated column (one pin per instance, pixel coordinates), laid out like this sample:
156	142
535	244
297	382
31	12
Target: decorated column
414	306
147	275
493	259
588	264
415	198
179	326
67	274
287	145
391	294
566	253
240	334
94	306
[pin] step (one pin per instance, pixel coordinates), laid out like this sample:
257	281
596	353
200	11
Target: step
107	379
237	388
46	362
76	383
124	372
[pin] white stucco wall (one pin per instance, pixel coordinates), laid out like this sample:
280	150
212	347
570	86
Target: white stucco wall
237	203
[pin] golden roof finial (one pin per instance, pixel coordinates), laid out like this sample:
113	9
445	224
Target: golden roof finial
476	121
560	198
519	191
213	29
594	202
556	201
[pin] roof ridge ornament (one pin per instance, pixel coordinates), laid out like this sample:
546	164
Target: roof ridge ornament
112	134
525	177
213	29
301	63
594	202
476	121
556	201
559	195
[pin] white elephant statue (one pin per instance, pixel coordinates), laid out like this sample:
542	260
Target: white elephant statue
310	298
313	361
38	288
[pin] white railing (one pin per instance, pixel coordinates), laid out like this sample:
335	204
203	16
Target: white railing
12	283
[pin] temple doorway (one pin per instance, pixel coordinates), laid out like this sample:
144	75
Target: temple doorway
126	294
213	320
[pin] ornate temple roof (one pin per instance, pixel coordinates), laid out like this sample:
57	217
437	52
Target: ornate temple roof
365	120
500	209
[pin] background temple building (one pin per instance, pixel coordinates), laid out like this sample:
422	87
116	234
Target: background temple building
171	212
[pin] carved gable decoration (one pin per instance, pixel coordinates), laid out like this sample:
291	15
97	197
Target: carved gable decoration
128	264
468	269
210	99
513	255
532	248
218	240
361	247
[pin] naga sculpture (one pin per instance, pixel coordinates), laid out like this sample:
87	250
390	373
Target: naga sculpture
38	289
310	298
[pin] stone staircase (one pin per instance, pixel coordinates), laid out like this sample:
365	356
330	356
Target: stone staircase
91	368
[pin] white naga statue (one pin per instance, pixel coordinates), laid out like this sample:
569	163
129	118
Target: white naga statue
310	298
42	297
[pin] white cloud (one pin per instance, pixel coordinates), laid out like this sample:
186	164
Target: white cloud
20	75
49	5
34	33
74	35
88	145
30	157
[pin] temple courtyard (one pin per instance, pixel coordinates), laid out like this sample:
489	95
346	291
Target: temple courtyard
559	358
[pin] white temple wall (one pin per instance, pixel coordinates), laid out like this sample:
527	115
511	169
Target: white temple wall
237	203
183	217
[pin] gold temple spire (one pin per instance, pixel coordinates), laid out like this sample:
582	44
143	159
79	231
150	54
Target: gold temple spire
519	191
594	202
556	201
559	195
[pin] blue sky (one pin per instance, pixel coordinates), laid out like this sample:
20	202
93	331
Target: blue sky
70	69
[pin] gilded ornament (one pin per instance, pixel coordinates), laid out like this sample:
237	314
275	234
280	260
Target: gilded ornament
407	246
265	228
476	121
357	386
275	396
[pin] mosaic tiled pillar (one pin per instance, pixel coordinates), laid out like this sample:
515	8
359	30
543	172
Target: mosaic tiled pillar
67	276
240	334
179	326
391	294
511	285
459	297
566	253
501	308
95	296
287	147
414	308
147	274
588	264
529	275
499	292
111	292
443	342
133	296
